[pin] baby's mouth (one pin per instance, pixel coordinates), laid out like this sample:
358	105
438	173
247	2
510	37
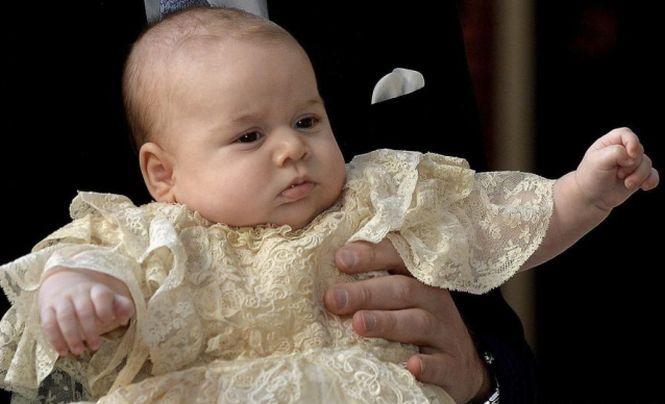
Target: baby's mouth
298	190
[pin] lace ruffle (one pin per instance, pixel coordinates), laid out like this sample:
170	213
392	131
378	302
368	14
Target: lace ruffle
454	228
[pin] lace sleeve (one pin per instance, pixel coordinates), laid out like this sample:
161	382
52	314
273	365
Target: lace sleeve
455	228
92	241
482	240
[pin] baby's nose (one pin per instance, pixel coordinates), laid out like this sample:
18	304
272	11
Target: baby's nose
291	146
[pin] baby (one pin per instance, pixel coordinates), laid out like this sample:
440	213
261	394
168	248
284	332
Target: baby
223	276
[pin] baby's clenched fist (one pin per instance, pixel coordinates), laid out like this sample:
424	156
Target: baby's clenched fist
613	168
78	305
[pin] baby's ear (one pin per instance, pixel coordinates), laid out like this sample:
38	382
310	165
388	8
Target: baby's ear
157	169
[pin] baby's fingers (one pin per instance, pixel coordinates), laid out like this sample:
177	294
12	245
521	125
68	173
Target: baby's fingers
628	165
102	298
610	157
619	136
652	181
632	143
87	318
65	312
124	308
640	175
52	331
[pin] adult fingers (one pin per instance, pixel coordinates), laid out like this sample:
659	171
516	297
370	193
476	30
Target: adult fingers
410	326
429	367
461	379
52	331
382	293
361	256
69	325
85	312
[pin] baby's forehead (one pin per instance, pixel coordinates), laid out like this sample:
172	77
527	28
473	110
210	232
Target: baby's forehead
208	54
210	50
197	39
182	40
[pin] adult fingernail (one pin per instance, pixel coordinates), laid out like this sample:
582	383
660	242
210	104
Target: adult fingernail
348	258
341	297
369	321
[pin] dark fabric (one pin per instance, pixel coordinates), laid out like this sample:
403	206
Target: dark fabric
495	327
169	6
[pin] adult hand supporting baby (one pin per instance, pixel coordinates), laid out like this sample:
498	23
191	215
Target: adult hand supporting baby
400	308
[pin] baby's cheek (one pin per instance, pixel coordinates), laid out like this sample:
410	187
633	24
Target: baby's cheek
333	189
340	175
238	208
209	192
224	211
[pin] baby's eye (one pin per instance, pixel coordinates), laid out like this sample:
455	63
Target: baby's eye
307	122
249	137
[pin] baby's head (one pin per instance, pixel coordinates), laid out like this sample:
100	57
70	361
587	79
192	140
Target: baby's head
226	114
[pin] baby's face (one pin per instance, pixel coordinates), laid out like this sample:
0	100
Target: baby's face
248	124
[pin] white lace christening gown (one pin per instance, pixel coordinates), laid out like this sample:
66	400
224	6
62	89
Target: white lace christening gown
236	315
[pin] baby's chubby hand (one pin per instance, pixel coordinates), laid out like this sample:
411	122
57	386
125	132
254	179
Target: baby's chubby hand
613	168
79	305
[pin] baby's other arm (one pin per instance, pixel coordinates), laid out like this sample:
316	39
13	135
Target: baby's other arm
77	305
612	169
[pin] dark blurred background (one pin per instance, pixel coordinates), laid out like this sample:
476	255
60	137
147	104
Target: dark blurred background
598	67
591	314
591	66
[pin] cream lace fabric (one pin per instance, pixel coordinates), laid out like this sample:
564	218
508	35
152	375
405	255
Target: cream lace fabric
236	314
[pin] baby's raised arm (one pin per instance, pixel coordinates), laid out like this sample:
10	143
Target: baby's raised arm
78	305
612	169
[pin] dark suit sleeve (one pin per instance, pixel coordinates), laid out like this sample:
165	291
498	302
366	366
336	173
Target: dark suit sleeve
496	328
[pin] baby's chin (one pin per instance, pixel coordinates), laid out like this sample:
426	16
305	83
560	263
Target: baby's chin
297	219
294	221
296	215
